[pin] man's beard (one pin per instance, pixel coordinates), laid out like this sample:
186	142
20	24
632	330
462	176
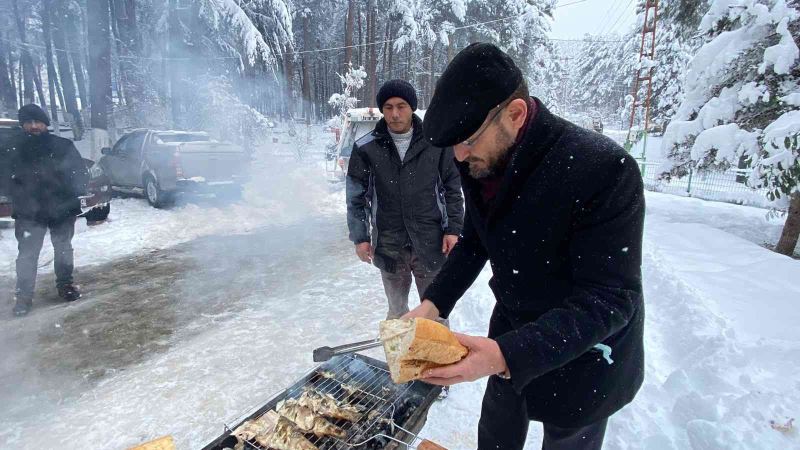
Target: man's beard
494	163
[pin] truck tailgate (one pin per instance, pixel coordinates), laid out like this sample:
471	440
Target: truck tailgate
213	161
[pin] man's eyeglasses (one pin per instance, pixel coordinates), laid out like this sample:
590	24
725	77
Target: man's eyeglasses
471	141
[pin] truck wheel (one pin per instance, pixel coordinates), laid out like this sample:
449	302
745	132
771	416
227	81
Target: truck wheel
98	215
155	196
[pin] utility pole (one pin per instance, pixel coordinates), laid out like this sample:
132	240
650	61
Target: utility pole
644	74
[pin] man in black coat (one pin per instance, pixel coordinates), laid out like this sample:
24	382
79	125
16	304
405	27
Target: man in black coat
558	212
47	175
408	192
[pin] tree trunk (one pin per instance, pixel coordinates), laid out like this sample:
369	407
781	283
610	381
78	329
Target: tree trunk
360	38
450	48
37	80
21	83
372	62
25	58
307	101
390	72
12	77
99	62
128	48
51	70
8	96
791	229
289	77
74	45
348	34
65	70
432	78
173	68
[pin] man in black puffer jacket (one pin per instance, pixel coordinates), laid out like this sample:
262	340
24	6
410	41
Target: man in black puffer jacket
46	177
558	212
408	192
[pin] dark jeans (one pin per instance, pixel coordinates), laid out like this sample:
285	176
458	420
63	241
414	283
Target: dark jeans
504	424
30	237
398	284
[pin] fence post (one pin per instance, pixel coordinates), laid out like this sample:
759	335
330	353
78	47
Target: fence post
689	185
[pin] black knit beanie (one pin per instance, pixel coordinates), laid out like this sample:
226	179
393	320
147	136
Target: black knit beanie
32	112
397	88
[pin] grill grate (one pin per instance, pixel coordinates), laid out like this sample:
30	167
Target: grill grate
366	384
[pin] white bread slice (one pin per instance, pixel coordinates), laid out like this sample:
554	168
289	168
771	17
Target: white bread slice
162	443
413	346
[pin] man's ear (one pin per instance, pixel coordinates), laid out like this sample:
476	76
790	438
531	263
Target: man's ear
517	113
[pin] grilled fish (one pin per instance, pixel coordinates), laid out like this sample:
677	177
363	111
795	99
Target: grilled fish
259	430
307	421
273	431
326	405
288	436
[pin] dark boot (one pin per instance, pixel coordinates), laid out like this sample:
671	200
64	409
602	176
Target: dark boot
69	292
23	306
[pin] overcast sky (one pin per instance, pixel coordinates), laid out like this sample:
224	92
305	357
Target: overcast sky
592	16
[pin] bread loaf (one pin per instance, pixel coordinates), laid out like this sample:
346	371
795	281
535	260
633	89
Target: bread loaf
413	346
163	443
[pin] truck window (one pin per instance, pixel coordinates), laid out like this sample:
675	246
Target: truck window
134	145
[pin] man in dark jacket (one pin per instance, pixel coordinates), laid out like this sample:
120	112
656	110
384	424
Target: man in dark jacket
409	192
558	212
47	175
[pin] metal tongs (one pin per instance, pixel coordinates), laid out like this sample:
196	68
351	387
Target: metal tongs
325	353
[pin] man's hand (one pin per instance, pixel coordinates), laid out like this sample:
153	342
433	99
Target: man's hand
364	252
448	242
484	359
426	310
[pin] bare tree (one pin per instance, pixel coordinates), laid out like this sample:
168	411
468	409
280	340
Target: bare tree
99	62
65	69
51	70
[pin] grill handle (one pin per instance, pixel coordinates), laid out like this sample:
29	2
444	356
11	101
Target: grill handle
322	354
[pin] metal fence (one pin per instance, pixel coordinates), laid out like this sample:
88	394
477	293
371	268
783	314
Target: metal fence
728	186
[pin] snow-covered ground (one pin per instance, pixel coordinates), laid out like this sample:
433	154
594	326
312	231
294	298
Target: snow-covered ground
722	341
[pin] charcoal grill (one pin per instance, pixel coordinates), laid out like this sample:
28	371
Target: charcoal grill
391	413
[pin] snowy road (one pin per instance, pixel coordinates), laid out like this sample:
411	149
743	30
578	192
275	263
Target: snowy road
194	315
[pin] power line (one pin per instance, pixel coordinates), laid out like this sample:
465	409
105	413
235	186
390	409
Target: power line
620	17
608	15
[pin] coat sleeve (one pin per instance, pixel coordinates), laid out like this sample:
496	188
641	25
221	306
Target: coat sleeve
453	198
459	271
77	174
357	186
605	257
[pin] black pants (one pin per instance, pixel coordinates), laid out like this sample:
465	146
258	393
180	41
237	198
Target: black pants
30	237
504	424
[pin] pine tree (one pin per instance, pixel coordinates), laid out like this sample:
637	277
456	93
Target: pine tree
604	71
742	102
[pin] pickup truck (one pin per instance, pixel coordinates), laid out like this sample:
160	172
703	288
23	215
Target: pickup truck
160	164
